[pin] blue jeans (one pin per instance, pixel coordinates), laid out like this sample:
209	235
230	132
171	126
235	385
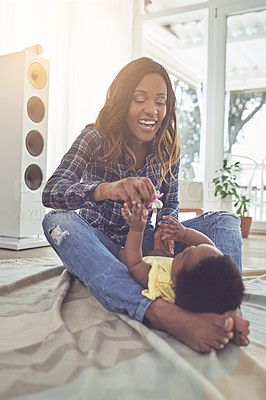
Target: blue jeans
91	256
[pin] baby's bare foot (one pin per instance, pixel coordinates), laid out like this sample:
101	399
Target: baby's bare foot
241	329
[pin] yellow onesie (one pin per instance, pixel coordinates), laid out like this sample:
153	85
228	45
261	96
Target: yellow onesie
160	279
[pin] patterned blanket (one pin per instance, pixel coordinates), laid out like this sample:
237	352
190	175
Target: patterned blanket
58	342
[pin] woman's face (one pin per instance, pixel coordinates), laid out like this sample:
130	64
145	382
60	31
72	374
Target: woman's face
147	108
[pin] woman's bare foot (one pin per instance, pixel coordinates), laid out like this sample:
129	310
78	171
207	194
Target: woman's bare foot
201	332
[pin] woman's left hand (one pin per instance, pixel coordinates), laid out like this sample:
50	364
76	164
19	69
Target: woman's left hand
167	245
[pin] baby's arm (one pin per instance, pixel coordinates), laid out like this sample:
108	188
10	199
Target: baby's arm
176	231
136	219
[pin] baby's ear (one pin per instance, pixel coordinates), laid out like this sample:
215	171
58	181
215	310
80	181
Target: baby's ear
173	285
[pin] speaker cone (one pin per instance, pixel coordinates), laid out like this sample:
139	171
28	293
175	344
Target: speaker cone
33	177
37	75
34	143
35	109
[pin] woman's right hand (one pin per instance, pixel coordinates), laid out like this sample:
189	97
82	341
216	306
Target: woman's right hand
138	189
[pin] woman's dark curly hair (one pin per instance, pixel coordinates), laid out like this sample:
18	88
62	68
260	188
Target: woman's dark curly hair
111	121
213	285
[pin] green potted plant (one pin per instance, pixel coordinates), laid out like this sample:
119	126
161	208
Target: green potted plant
226	185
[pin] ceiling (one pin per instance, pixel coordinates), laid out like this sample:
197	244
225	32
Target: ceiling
181	41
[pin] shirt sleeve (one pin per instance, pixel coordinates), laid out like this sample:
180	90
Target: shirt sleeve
65	188
170	198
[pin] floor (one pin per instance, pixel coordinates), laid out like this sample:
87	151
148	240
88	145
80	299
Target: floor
254	252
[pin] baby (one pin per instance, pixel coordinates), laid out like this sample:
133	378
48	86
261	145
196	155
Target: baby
199	279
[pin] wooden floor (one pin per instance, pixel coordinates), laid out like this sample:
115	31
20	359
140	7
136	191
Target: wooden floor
254	252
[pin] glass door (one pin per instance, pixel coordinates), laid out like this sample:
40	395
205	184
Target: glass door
245	104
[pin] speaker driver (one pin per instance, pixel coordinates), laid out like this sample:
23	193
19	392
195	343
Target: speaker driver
34	143
33	177
37	75
35	109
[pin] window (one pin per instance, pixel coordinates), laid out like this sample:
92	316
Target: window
245	98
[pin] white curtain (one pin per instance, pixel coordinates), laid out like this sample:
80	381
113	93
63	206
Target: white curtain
87	43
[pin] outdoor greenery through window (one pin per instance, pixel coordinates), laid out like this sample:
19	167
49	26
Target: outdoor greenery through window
243	106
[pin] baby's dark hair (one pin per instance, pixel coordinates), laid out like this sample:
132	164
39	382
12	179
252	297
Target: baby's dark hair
212	285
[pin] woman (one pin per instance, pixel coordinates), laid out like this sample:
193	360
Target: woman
129	154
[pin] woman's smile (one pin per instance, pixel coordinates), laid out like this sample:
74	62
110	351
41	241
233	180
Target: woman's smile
147	124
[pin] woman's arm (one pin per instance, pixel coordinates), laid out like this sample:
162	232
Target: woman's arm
65	188
170	197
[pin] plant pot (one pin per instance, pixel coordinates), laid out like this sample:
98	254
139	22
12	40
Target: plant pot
226	204
245	223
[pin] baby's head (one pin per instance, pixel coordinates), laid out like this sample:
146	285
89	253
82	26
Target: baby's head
205	280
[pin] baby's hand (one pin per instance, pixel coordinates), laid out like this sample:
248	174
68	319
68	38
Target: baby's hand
173	230
136	218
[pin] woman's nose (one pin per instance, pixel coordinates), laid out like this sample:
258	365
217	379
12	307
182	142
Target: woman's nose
151	109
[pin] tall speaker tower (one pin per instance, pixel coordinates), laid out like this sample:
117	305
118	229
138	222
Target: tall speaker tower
24	78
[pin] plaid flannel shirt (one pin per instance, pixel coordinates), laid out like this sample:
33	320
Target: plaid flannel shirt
80	171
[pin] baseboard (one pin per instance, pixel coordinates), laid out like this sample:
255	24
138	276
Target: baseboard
258	227
22	243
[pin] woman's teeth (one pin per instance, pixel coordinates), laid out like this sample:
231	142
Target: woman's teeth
146	123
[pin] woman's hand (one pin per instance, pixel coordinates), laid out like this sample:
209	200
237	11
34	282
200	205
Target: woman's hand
165	245
138	189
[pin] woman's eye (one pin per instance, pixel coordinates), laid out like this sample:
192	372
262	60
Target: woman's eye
161	102
139	100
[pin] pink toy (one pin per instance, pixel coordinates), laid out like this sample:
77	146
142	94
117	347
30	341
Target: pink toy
156	203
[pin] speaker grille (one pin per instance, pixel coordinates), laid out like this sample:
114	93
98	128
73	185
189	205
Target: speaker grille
35	109
37	75
34	143
33	177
